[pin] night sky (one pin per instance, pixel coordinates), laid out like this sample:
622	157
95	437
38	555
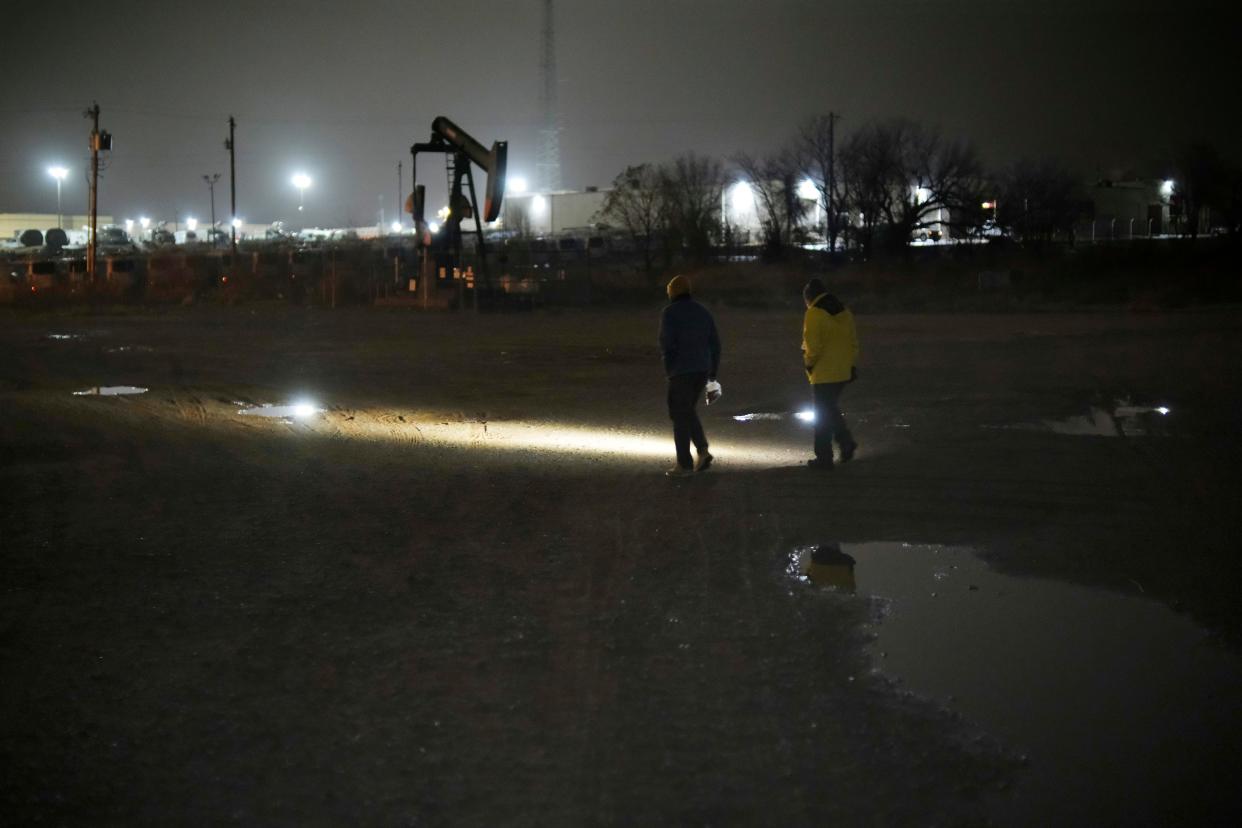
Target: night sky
341	90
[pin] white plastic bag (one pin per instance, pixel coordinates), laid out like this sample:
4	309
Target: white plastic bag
714	391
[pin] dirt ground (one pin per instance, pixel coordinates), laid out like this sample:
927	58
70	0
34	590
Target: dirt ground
464	593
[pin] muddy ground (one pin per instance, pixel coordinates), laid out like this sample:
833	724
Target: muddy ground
464	593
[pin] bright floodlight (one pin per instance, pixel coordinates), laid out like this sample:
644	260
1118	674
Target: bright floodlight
395	227
191	224
58	173
237	222
129	225
742	196
434	228
517	185
806	416
921	194
1163	410
807	189
145	222
1166	187
301	181
303	409
539	204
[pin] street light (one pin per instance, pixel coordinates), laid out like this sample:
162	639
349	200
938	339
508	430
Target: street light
742	197
59	174
517	185
145	223
191	224
302	181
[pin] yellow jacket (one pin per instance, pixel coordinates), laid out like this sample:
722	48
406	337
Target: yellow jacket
829	341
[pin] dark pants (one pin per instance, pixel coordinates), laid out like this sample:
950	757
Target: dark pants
829	422
684	393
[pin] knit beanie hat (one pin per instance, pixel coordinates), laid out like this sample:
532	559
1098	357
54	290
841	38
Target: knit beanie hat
813	288
677	286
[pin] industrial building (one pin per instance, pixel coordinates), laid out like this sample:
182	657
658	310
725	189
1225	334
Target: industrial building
13	225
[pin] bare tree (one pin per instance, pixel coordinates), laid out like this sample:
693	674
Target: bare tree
774	180
638	204
867	163
905	178
693	188
1204	180
1039	200
817	158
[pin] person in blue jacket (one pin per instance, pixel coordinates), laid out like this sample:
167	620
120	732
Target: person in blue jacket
690	347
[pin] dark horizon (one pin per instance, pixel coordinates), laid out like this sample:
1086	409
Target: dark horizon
1112	89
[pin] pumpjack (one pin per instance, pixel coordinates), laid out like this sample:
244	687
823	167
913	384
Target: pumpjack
443	279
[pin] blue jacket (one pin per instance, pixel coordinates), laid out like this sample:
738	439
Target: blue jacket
689	343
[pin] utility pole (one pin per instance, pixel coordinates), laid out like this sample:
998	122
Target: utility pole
400	200
211	187
231	146
832	184
93	114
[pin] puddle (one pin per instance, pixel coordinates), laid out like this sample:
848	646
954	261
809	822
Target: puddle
297	411
805	416
1124	710
110	391
824	566
1123	420
758	416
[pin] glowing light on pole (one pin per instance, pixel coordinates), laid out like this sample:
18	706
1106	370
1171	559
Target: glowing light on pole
517	185
59	174
302	181
808	190
191	224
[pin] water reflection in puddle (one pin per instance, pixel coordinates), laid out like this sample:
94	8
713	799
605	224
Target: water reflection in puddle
130	349
110	391
1124	419
1125	709
297	411
803	416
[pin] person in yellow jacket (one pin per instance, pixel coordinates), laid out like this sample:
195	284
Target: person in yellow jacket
829	354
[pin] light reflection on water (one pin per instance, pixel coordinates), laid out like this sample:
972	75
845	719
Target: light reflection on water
1125	709
110	391
1123	419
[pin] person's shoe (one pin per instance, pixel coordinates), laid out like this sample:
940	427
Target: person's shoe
847	452
819	464
679	471
704	462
